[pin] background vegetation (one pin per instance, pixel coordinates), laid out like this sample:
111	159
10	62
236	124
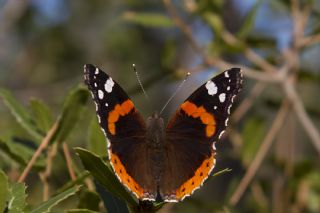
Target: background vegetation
273	142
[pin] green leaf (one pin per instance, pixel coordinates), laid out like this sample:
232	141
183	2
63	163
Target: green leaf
81	211
46	206
21	115
252	141
4	191
96	139
17	201
313	191
78	181
215	22
104	174
41	114
72	110
21	154
148	19
169	54
249	21
89	200
260	41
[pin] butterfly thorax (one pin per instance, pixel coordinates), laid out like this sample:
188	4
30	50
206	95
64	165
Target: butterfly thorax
155	141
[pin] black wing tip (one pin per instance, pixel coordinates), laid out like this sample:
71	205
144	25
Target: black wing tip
89	68
237	71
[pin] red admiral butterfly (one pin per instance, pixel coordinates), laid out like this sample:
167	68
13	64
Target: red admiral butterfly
158	162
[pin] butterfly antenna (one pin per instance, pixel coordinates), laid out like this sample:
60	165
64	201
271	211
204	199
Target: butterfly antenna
138	78
175	92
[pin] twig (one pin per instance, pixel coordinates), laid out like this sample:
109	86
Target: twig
259	195
302	114
46	188
311	40
258	75
67	155
249	53
209	61
51	153
265	146
183	27
296	22
247	102
300	18
42	146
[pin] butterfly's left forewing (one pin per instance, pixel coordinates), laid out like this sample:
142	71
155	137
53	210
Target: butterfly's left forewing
192	132
125	130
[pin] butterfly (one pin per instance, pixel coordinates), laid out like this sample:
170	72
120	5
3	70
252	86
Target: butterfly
158	161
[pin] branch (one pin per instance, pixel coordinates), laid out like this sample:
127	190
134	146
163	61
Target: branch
67	155
265	146
51	153
300	18
183	27
302	114
248	101
221	64
258	75
42	146
249	53
311	40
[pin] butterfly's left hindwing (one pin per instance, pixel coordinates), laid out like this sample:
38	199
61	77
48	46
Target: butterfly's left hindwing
191	133
125	129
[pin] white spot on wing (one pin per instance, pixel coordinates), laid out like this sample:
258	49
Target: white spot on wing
109	85
99	119
95	85
228	88
212	88
171	200
232	99
226	122
109	155
100	94
96	106
214	146
229	108
222	97
104	132
215	107
221	133
226	74
106	104
97	71
148	199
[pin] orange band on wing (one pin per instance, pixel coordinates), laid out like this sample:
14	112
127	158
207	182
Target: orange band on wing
124	177
199	177
200	112
119	110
